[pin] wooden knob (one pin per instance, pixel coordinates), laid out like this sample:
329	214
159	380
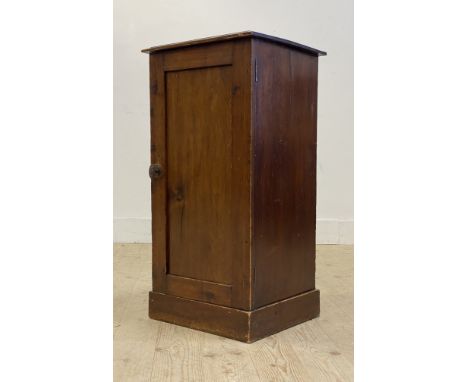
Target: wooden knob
155	171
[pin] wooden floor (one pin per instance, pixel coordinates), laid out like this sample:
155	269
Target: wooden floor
148	350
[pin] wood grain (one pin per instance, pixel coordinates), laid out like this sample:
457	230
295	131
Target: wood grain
242	325
284	174
201	132
242	173
199	290
236	36
199	156
233	127
158	155
198	57
148	350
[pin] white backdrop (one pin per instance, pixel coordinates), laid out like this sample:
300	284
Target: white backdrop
326	25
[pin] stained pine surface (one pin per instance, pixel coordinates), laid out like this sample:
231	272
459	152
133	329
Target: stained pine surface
148	350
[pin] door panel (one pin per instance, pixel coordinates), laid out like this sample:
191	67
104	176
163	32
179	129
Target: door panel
199	182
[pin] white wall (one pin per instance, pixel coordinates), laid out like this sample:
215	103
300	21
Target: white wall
324	24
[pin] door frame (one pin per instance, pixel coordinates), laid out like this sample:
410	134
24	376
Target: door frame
238	55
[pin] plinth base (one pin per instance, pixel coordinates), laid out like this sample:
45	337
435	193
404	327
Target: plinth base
241	325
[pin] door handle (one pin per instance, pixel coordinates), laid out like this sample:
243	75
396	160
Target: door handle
155	171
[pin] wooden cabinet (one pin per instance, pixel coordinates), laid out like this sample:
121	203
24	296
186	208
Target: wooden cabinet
233	184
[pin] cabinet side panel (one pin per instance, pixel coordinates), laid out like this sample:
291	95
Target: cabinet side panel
284	172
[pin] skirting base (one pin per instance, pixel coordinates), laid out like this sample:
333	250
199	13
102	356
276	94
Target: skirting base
241	325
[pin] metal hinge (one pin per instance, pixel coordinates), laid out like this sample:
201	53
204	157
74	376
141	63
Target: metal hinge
256	71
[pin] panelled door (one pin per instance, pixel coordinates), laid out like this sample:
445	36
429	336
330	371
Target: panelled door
200	169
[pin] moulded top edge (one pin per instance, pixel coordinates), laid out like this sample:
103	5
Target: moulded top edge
236	36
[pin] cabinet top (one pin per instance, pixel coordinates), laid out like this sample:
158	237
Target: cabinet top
236	36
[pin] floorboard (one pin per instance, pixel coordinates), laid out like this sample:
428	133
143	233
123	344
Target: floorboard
153	351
